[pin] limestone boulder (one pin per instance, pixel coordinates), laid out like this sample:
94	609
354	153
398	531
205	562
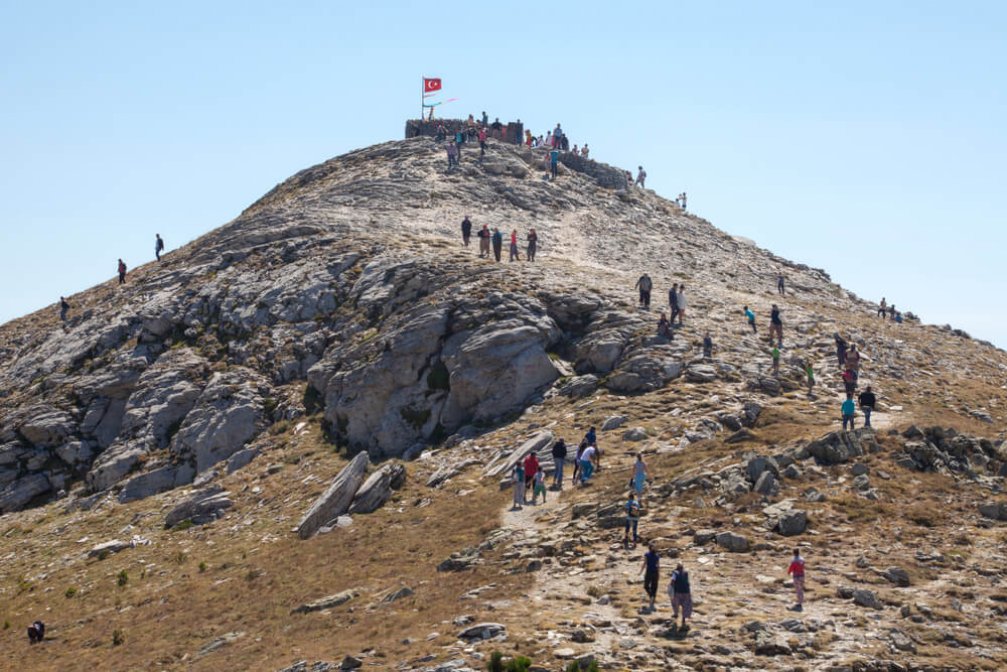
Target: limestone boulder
378	488
336	499
200	508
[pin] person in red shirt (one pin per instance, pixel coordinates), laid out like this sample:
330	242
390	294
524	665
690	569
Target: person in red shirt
530	469
796	569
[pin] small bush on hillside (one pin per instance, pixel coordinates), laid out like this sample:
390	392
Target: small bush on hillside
70	592
122	579
118	637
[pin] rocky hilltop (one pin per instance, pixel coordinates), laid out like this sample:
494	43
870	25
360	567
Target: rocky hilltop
340	315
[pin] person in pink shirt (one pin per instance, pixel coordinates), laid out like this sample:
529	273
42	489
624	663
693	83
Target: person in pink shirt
796	570
514	256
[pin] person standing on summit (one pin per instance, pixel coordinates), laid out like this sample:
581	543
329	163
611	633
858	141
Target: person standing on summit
497	243
158	246
882	308
122	272
641	177
644	284
466	230
63	307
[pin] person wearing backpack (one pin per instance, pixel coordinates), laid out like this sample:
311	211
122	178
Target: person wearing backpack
644	284
122	272
497	244
158	246
64	306
530	469
559	459
681	595
36	632
632	519
466	230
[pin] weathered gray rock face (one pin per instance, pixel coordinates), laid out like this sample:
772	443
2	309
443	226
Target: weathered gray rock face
378	488
17	494
164	394
438	365
337	497
838	447
225	417
535	444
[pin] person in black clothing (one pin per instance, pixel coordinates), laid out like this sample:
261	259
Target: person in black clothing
841	346
122	272
497	243
466	230
707	346
158	246
63	307
780	284
776	326
867	401
673	301
559	459
651	570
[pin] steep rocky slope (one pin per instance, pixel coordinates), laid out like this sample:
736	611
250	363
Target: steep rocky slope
341	310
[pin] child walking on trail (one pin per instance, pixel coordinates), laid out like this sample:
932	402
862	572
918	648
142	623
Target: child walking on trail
796	569
539	487
775	352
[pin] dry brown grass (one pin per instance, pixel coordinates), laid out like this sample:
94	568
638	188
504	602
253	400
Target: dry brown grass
191	586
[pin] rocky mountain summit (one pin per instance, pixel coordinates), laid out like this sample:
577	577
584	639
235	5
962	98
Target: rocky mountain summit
211	407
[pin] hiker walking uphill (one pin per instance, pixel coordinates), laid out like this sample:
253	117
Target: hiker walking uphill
664	328
775	354
63	307
122	272
484	236
681	596
848	410
497	244
683	303
750	316
466	230
651	570
632	519
532	244
809	371
158	246
559	460
867	401
853	361
707	346
882	308
640	474
776	326
645	284
641	177
780	282
587	463
452	150
673	301
841	347
554	163
796	570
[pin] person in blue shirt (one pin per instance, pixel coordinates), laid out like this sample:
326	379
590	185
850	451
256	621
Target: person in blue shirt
751	320
554	163
849	408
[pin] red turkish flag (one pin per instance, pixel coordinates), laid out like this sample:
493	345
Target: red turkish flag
431	85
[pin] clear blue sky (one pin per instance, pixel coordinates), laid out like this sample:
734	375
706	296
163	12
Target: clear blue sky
867	138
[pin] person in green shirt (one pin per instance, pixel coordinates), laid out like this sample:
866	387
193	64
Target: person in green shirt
775	352
811	377
849	409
